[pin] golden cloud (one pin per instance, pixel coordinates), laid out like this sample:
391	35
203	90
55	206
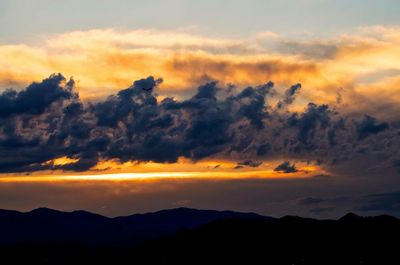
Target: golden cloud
361	66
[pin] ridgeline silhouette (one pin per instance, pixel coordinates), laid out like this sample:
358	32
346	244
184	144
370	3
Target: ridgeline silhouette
189	236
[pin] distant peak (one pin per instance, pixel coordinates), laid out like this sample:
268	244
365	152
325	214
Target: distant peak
44	210
179	210
350	217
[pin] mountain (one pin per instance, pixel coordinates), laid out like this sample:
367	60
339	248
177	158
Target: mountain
45	225
189	236
289	240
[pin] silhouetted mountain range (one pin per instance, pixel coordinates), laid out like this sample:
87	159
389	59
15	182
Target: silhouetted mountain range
289	240
45	225
189	236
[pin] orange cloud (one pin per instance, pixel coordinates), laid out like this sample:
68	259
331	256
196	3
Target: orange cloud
104	61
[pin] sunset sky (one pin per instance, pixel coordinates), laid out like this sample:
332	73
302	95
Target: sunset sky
274	107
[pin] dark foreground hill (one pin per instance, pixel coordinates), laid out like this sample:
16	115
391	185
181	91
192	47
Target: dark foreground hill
226	238
45	225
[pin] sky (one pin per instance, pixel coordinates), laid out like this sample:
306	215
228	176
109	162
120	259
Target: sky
275	107
24	19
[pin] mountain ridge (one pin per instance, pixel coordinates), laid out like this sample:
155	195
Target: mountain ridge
185	235
49	225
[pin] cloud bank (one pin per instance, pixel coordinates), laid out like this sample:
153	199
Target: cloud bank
48	120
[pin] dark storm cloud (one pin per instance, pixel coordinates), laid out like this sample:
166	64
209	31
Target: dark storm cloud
36	97
47	120
315	119
370	126
286	167
250	163
147	84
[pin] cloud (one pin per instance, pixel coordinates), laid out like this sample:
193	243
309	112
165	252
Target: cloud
36	97
104	60
320	210
383	202
286	167
289	96
250	163
311	201
147	84
369	126
48	120
343	118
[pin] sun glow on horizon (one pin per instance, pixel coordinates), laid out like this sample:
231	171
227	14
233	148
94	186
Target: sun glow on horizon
211	170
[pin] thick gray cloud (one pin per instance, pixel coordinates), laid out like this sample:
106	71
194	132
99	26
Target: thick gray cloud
48	120
37	97
370	126
286	167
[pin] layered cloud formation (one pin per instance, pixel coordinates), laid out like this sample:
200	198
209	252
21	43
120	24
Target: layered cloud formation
358	69
48	120
331	113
